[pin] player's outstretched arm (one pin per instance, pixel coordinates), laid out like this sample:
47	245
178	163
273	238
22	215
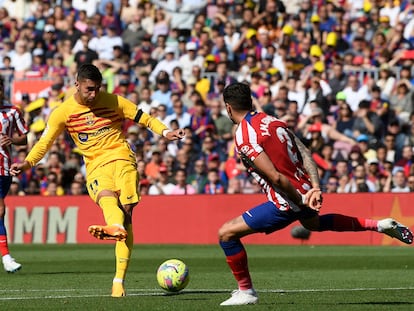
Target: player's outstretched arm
314	197
17	168
174	135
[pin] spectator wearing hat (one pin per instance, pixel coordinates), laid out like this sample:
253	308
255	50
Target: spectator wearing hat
38	67
328	132
49	38
365	147
167	64
374	173
190	59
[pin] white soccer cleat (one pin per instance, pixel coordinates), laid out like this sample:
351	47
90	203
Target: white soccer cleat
11	265
241	297
396	230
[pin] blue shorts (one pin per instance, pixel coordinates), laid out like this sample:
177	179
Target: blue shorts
5	182
268	218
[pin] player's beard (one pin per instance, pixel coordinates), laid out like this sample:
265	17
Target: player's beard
88	101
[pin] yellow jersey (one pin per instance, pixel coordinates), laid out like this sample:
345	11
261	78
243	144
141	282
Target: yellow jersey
96	131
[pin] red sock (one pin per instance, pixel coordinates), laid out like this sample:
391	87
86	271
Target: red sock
4	248
240	269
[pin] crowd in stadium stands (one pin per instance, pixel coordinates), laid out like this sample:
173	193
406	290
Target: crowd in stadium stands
339	73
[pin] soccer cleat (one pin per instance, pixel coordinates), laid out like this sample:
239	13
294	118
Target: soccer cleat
11	265
118	290
396	230
241	297
113	232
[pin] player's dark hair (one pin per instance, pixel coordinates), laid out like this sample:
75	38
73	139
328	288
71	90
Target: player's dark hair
238	96
90	72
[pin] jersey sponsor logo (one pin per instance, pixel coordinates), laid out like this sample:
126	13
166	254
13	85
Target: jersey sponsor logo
129	197
83	137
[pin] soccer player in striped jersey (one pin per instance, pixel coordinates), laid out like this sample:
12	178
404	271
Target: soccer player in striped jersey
94	119
13	131
284	168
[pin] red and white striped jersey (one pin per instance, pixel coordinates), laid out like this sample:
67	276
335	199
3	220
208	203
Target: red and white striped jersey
11	120
259	132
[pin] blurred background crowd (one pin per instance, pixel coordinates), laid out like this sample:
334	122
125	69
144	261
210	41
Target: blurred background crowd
339	73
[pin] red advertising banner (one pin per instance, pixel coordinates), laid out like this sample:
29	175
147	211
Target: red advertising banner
192	219
30	86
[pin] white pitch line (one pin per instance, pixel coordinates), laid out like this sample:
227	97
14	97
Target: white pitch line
146	292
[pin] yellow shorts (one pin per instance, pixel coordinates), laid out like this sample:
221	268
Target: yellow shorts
117	176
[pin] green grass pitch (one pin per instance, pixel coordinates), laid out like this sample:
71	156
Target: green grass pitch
79	277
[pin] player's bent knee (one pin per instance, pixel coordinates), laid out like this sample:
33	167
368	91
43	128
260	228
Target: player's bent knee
106	193
224	233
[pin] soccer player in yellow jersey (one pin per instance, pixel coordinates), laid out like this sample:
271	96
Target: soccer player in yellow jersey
94	118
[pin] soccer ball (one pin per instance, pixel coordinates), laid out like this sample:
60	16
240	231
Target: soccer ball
172	275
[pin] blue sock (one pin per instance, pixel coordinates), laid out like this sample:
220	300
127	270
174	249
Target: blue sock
231	247
2	227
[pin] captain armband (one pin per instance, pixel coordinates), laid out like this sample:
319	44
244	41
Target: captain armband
138	115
